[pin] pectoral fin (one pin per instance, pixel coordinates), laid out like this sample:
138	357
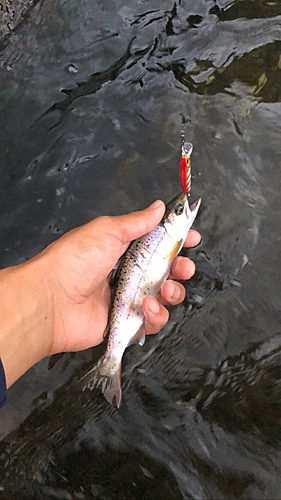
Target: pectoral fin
175	250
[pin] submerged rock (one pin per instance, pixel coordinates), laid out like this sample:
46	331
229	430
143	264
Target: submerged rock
12	13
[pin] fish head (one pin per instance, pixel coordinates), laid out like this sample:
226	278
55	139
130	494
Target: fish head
179	216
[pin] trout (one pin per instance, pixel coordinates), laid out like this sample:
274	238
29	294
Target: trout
143	269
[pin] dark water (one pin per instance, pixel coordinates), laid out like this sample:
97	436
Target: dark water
93	96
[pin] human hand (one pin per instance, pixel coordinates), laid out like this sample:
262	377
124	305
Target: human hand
80	264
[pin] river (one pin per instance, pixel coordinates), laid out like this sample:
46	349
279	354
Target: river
93	98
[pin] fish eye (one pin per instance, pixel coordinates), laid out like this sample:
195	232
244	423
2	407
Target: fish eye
179	209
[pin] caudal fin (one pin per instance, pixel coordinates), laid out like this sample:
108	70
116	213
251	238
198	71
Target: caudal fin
109	385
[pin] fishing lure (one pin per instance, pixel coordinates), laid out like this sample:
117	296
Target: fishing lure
185	167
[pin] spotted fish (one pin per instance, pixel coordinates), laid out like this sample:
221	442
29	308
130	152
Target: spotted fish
144	268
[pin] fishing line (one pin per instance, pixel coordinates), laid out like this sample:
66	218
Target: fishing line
186	147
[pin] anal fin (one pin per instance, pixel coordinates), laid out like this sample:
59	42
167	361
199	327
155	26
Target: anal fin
139	337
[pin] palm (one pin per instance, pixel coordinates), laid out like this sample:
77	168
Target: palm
82	291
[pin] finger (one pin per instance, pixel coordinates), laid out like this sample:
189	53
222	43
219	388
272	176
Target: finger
156	315
182	269
131	226
193	238
172	292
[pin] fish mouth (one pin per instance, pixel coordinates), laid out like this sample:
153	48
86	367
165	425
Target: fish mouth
194	206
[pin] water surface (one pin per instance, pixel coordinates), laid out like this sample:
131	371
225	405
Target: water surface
93	97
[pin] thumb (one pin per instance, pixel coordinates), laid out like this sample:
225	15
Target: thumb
131	226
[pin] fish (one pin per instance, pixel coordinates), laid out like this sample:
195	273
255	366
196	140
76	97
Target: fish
145	266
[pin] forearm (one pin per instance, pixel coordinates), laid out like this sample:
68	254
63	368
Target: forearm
26	317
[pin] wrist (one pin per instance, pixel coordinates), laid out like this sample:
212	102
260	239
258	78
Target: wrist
26	310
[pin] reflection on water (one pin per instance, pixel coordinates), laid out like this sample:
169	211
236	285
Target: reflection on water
262	81
92	100
231	10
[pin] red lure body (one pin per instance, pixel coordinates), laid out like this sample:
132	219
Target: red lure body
185	173
185	167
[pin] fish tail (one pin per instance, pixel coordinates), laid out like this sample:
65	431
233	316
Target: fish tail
110	385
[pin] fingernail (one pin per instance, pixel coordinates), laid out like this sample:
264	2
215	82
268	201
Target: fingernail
153	306
155	205
176	293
